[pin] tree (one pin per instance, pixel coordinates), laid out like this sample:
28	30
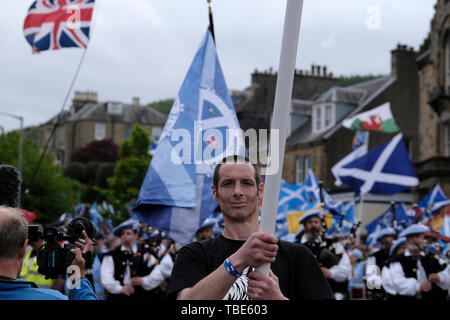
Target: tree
129	174
51	193
96	151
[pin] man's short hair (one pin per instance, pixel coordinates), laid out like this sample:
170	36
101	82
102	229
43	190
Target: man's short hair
13	231
235	159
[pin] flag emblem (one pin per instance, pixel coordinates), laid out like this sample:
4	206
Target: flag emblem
377	119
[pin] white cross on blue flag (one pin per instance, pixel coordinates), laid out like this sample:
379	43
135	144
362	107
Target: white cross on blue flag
384	170
201	130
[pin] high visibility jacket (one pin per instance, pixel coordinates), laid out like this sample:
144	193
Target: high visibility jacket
30	272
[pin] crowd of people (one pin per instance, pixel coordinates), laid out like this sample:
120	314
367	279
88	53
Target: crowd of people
138	262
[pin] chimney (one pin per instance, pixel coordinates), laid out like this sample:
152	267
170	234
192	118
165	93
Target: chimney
403	62
312	69
135	100
324	71
83	97
318	71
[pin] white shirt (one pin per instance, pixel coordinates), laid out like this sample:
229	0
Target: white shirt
386	281
411	286
149	282
341	271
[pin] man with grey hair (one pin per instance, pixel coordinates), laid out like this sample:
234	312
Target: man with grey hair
13	244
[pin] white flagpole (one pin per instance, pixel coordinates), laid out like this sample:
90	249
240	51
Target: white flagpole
360	213
283	96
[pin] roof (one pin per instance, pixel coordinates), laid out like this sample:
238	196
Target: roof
128	113
360	95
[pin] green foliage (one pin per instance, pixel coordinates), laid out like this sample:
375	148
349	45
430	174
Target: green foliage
129	173
105	171
51	193
162	106
345	81
76	171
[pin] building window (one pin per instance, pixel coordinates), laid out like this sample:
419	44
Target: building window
126	131
302	165
447	64
156	133
299	171
328	115
308	164
100	131
324	116
447	139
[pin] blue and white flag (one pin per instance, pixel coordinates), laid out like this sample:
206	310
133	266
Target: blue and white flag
311	185
202	128
352	156
293	198
433	202
384	170
343	223
386	220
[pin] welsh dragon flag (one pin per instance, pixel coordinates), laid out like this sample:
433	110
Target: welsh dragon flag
377	119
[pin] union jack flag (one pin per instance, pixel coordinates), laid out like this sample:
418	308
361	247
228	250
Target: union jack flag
55	24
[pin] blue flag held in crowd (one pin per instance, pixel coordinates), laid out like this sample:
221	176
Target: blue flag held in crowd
386	220
202	128
433	202
384	170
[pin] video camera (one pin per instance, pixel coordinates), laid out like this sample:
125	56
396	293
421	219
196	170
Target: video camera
53	259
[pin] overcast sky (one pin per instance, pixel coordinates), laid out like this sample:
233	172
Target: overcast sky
143	48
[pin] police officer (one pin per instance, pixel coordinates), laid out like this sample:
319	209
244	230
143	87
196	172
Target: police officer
331	255
129	274
416	274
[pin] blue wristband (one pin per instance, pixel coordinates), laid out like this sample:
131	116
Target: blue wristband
230	268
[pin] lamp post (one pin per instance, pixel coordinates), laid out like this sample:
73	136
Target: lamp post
19	165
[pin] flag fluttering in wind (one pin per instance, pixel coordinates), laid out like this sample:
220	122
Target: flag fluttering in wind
386	220
56	24
384	170
433	202
377	119
202	128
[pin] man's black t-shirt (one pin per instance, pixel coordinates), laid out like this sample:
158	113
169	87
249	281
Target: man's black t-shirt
298	273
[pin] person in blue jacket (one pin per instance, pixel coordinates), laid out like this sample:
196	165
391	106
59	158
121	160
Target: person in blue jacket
13	244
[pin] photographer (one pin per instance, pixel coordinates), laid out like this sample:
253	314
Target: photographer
13	244
30	267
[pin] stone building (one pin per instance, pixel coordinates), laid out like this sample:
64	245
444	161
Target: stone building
433	61
89	120
321	140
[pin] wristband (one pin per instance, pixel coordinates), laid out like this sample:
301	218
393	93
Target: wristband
230	268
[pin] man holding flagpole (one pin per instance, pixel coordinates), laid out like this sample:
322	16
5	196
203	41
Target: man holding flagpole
222	267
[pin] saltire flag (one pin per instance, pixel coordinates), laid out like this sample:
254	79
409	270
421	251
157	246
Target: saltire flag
56	24
384	170
293	198
342	223
432	203
312	190
377	119
312	187
176	196
352	156
386	220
